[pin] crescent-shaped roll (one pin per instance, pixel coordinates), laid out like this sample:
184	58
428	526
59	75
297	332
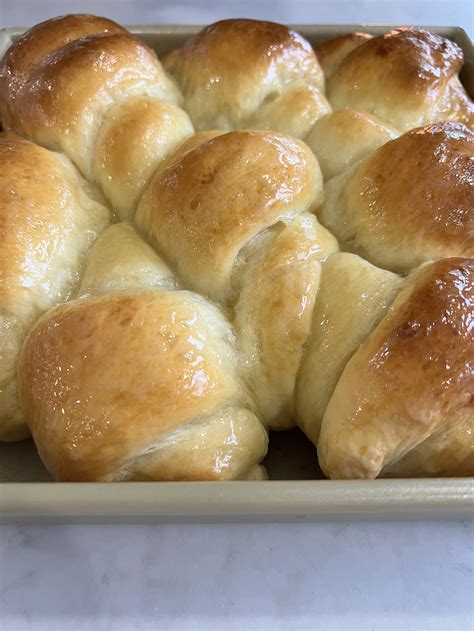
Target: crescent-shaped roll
410	201
249	74
410	381
407	77
207	203
86	87
135	386
49	218
230	212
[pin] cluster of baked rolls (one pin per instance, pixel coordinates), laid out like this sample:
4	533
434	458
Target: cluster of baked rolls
250	235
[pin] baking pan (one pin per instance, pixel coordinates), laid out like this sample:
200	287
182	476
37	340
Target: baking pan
296	490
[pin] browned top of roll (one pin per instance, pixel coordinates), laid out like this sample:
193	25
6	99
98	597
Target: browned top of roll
428	60
205	204
42	40
101	380
230	69
238	46
412	200
402	77
87	63
414	372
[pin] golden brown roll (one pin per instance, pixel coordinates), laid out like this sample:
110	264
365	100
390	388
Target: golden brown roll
346	137
403	403
332	51
249	74
135	138
38	43
231	214
208	202
84	86
137	381
49	218
407	78
410	201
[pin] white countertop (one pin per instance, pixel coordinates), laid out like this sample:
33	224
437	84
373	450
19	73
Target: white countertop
370	576
242	577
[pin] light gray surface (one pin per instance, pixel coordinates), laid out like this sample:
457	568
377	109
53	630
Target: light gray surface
441	12
347	576
239	577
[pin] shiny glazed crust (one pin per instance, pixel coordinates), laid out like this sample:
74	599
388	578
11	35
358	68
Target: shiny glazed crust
107	383
69	78
48	221
407	77
410	201
265	178
411	377
241	74
132	376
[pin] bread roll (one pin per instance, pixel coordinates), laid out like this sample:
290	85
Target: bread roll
409	382
407	78
249	74
207	203
84	86
138	386
135	381
48	220
409	202
230	212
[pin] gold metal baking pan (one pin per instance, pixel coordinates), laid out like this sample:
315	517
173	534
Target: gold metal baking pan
295	492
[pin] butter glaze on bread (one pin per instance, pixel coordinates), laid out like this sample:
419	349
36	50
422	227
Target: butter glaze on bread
230	212
412	377
205	204
137	378
48	221
138	386
242	74
407	78
64	99
36	45
86	87
410	202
